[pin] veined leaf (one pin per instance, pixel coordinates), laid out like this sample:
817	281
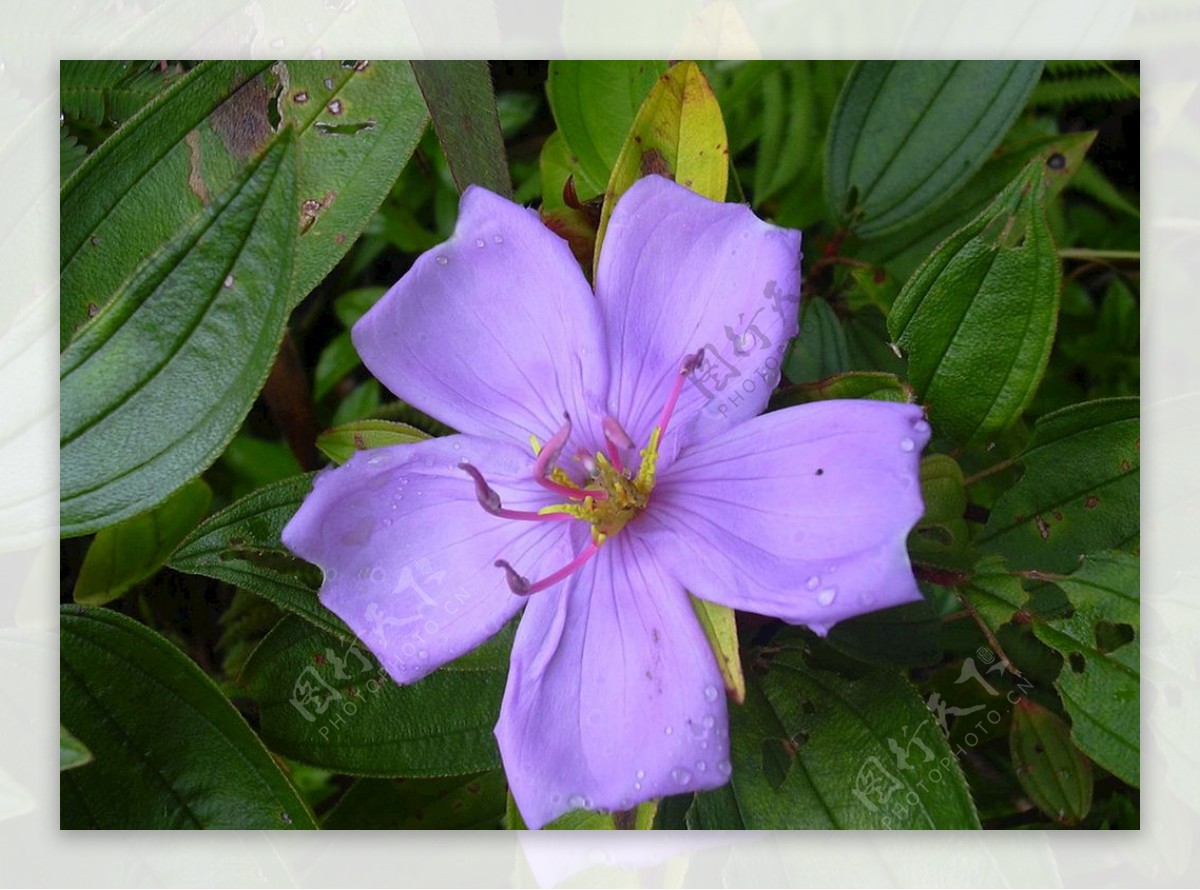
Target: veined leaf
340	443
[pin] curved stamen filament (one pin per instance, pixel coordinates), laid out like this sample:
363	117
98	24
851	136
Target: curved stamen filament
547	457
616	440
489	499
686	367
522	586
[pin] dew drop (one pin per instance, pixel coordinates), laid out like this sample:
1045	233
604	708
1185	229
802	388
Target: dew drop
681	776
710	693
668	730
827	596
813	583
377	574
228	281
641	774
637	786
701	766
920	427
443	260
725	767
331	574
422	654
457	447
387	523
708	721
479	242
576	801
907	444
499	239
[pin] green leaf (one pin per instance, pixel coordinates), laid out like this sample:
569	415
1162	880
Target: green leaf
720	627
640	818
679	133
811	749
71	153
240	545
876	385
1100	644
100	92
337	360
977	318
129	552
1062	160
995	593
906	135
71	751
1049	767
340	443
463	107
940	536
1079	492
594	104
454	802
171	751
328	703
154	178
819	350
155	386
901	636
354	304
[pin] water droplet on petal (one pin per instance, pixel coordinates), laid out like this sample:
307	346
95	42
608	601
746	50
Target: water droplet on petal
907	444
813	583
377	574
641	774
827	596
499	239
920	427
576	801
710	693
637	786
681	776
479	242
725	767
668	730
422	654
701	766
441	260
708	721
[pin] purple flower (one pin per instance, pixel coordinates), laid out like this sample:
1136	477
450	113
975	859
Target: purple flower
610	461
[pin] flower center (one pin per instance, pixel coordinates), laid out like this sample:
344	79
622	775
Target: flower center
611	496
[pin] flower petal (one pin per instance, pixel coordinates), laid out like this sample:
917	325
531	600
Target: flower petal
613	695
408	551
801	514
678	273
494	332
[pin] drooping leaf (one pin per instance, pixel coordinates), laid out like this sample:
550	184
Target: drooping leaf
158	382
1055	775
129	552
678	133
328	703
463	107
171	751
1078	493
811	749
1100	644
340	443
977	319
594	104
71	751
240	545
906	135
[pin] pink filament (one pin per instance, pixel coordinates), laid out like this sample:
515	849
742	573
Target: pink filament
615	441
689	364
548	457
489	499
522	586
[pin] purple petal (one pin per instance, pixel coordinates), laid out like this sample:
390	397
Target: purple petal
408	552
801	514
613	695
678	273
494	332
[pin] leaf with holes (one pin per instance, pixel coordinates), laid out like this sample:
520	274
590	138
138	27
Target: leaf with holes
1100	644
155	386
240	545
1079	492
811	749
940	537
594	104
906	135
995	593
329	704
171	751
977	318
